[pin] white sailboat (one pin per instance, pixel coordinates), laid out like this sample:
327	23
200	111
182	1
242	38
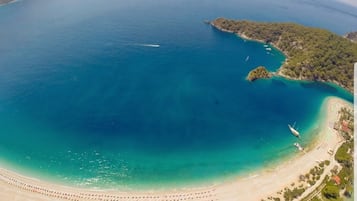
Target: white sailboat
293	131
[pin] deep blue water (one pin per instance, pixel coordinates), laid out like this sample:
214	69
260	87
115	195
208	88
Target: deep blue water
85	100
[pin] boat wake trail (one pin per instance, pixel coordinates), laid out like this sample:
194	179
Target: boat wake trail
147	45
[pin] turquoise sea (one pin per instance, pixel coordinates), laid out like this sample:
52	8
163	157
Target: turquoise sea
143	94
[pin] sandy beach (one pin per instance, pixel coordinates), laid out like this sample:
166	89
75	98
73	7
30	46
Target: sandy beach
253	187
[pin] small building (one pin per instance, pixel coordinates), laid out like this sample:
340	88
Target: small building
336	179
344	126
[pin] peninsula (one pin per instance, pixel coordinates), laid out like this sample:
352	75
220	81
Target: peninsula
258	73
312	54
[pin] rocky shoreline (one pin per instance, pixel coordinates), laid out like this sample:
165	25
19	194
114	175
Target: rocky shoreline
282	70
352	36
259	73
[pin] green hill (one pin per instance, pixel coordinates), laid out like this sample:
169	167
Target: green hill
312	53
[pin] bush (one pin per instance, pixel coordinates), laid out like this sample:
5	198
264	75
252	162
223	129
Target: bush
315	199
342	156
293	194
331	192
311	182
327	162
348	191
322	164
346	176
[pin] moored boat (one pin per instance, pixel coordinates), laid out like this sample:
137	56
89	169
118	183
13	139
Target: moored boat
293	131
298	146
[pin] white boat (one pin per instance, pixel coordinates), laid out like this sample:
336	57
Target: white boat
266	46
268	49
293	131
246	59
298	146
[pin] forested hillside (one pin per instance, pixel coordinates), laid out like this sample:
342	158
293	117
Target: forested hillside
312	53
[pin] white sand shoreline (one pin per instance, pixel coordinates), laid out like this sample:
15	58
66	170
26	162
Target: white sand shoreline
255	186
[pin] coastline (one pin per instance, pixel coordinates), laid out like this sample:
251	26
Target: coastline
280	71
245	37
273	179
17	187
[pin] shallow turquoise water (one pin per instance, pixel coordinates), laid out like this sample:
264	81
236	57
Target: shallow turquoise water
84	100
